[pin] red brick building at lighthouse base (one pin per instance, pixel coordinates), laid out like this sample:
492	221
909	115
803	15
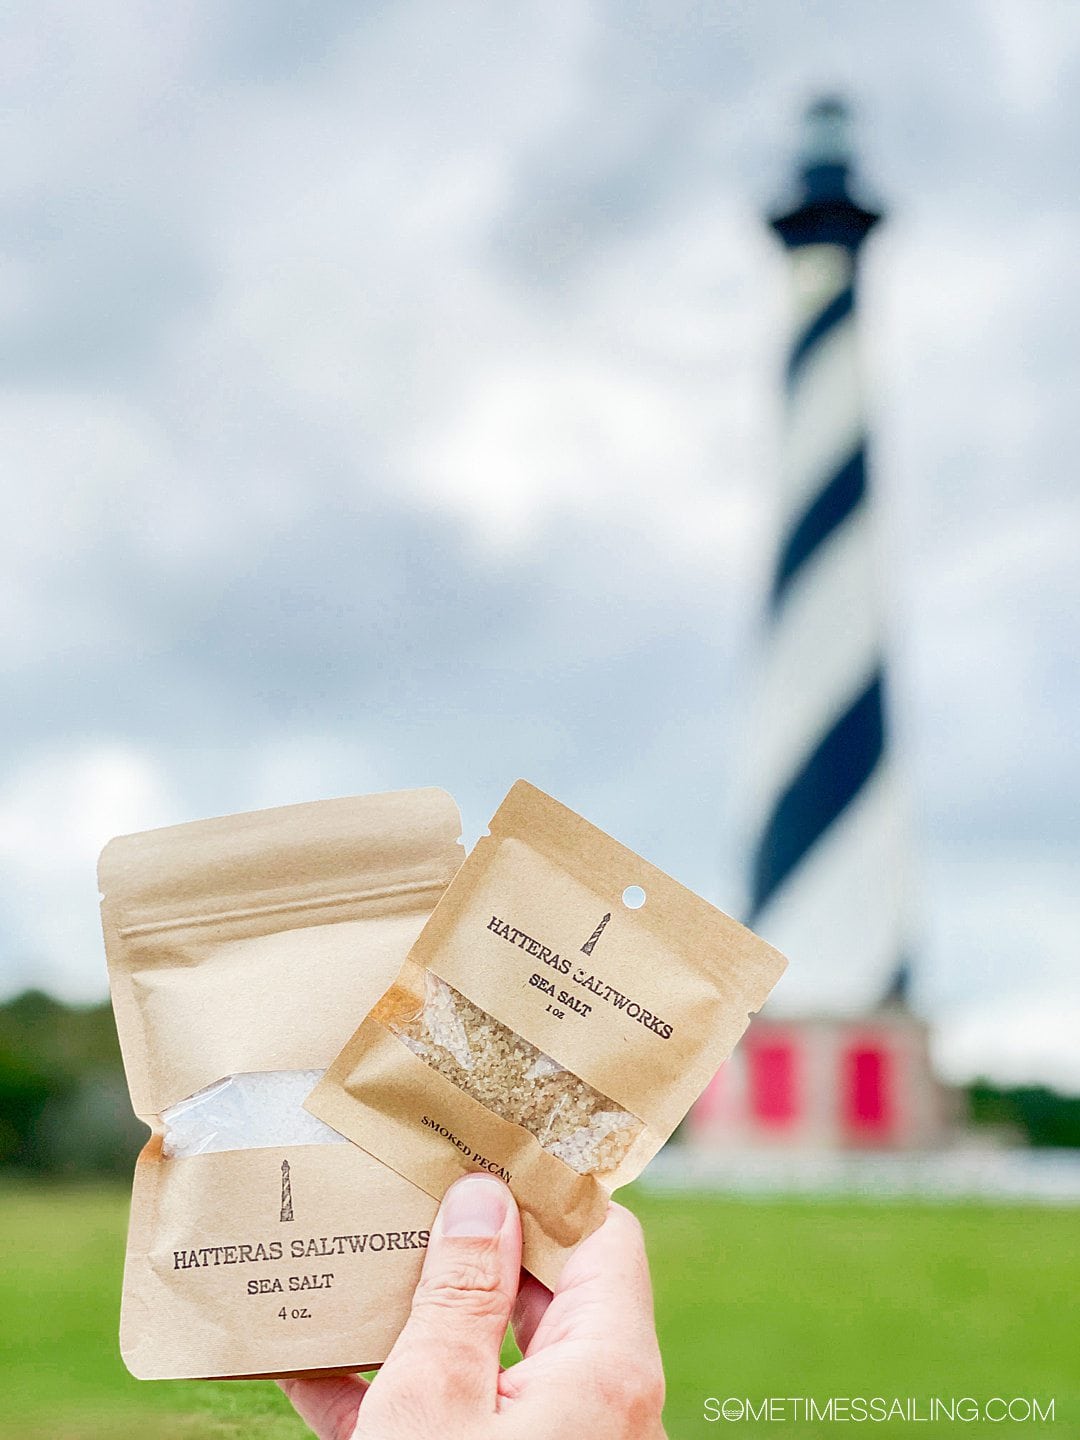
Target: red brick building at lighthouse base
822	1083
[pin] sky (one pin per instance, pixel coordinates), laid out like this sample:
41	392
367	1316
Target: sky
389	397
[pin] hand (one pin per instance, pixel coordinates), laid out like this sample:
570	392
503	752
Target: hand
591	1365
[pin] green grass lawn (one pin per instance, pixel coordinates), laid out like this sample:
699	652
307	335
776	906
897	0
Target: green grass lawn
753	1299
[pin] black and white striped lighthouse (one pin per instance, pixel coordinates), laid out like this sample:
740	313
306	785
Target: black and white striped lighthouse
826	881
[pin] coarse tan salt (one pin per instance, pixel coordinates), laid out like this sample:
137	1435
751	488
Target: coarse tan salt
570	1119
254	1111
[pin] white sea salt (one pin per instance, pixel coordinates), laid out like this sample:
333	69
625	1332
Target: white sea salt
254	1111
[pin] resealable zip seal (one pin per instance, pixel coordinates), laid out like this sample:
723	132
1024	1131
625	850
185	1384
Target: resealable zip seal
543	1030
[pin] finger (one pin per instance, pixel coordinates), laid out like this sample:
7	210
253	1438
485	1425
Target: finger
604	1291
532	1301
447	1356
598	1335
328	1406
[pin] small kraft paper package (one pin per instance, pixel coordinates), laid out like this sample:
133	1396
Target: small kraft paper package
240	951
545	1030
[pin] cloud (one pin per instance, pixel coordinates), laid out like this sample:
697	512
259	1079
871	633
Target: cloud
391	396
56	812
1025	1042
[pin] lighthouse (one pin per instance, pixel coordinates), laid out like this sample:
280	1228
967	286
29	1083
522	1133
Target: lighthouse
826	853
838	1060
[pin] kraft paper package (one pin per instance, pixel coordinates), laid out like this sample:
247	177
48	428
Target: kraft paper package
542	1029
240	951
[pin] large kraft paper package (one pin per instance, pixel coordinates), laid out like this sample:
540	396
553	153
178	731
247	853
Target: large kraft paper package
543	1029
240	951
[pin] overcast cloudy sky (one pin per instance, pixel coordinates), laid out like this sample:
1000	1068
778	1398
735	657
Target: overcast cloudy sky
388	398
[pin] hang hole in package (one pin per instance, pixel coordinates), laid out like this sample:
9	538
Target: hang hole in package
543	1030
240	951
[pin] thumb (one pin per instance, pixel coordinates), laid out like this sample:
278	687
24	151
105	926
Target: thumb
451	1342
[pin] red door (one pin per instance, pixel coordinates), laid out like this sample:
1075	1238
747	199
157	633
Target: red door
867	1091
773	1095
